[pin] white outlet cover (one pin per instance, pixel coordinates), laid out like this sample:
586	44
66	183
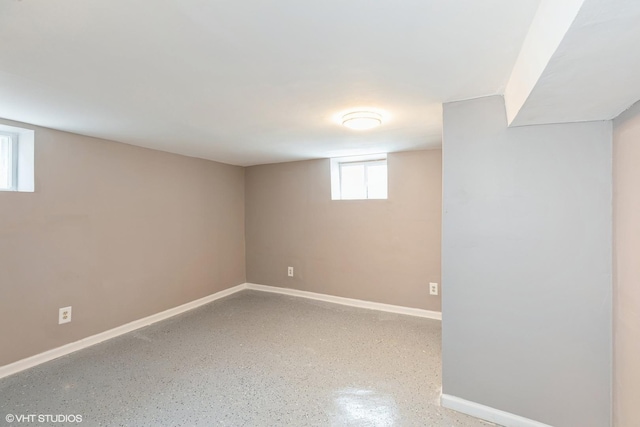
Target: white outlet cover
64	315
290	271
433	288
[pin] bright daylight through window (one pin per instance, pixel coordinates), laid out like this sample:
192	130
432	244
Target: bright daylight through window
7	162
358	178
16	159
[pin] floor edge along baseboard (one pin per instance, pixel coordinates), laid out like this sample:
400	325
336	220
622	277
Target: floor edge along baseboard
409	311
487	413
57	352
32	361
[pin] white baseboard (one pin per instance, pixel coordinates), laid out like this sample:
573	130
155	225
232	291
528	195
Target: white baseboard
487	413
32	361
349	301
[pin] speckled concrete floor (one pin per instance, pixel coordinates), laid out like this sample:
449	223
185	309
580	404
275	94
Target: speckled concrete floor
251	359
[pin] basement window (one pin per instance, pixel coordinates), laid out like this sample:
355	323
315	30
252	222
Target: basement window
359	178
8	161
16	159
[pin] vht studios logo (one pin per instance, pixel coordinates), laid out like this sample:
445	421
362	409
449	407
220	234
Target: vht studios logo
43	418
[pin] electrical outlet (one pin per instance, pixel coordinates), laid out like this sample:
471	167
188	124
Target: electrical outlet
290	272
64	315
433	288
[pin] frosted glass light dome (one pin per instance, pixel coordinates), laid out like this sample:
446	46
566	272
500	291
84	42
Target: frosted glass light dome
361	120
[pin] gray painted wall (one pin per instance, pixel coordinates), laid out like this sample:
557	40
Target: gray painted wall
526	258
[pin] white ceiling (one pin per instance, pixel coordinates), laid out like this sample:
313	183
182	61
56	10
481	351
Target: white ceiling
253	82
594	72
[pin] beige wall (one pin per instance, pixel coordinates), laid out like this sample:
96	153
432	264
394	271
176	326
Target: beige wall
116	231
377	250
626	313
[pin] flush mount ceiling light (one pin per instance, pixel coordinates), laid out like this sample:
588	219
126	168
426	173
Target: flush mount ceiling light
361	120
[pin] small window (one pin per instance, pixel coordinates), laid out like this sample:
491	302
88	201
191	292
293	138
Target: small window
8	162
16	159
358	178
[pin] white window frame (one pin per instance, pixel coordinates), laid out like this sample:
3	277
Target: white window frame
336	173
22	155
13	161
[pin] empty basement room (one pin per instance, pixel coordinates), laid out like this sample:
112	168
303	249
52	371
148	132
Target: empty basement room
330	213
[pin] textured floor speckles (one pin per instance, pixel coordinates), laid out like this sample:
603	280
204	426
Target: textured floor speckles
251	359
